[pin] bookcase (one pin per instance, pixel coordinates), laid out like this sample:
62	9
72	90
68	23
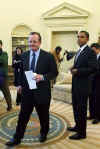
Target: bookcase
19	42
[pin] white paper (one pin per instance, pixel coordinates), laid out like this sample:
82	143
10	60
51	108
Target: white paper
30	79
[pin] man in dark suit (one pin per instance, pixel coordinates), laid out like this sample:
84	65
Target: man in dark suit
85	64
96	100
44	65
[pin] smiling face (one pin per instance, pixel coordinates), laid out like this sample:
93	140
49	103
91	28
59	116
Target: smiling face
34	42
82	39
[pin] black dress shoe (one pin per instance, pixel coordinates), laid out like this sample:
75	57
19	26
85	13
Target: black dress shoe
77	137
13	142
17	104
96	121
72	129
9	108
90	118
43	138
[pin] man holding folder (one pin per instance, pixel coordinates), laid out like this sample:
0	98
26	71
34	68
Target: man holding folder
44	66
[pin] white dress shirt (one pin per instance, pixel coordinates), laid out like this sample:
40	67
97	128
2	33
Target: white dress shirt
80	50
37	53
98	56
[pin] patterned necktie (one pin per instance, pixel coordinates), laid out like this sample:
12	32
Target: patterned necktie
33	62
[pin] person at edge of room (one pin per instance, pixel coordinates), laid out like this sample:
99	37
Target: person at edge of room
96	100
57	55
17	65
85	64
43	64
4	87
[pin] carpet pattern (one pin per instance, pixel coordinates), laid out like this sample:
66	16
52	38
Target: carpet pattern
8	122
63	114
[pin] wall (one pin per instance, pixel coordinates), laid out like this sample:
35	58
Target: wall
15	12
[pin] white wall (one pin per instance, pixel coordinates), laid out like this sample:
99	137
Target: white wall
29	12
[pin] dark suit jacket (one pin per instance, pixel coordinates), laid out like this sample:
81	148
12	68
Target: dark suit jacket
4	64
46	66
86	65
97	78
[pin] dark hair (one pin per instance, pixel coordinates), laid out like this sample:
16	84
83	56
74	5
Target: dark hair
36	33
58	48
86	33
95	45
1	42
20	49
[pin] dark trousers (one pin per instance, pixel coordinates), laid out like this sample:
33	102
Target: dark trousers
97	104
6	93
27	106
79	103
18	98
92	99
92	104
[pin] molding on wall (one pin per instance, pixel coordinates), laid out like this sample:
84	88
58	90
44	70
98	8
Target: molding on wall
64	17
65	11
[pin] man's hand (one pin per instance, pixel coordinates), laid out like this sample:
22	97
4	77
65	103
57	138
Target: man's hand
38	77
74	71
19	89
70	69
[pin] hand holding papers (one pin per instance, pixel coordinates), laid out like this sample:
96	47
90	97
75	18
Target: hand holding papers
30	79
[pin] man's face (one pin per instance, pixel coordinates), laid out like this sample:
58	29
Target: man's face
82	39
0	46
34	43
97	51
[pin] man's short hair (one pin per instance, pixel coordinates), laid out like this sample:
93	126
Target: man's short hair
95	45
86	33
36	33
1	42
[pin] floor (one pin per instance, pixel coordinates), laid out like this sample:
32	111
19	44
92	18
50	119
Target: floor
65	111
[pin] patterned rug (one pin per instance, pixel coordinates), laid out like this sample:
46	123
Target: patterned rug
8	121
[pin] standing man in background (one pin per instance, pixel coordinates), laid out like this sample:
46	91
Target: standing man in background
96	100
85	64
44	65
4	87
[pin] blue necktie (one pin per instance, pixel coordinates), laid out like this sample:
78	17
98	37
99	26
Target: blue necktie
77	55
33	62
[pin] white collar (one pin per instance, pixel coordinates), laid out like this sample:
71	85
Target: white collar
36	52
98	55
83	47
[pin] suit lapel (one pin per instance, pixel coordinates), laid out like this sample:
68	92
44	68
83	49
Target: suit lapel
80	55
38	61
27	60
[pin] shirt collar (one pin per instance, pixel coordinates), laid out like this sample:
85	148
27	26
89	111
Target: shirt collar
98	55
36	52
83	47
